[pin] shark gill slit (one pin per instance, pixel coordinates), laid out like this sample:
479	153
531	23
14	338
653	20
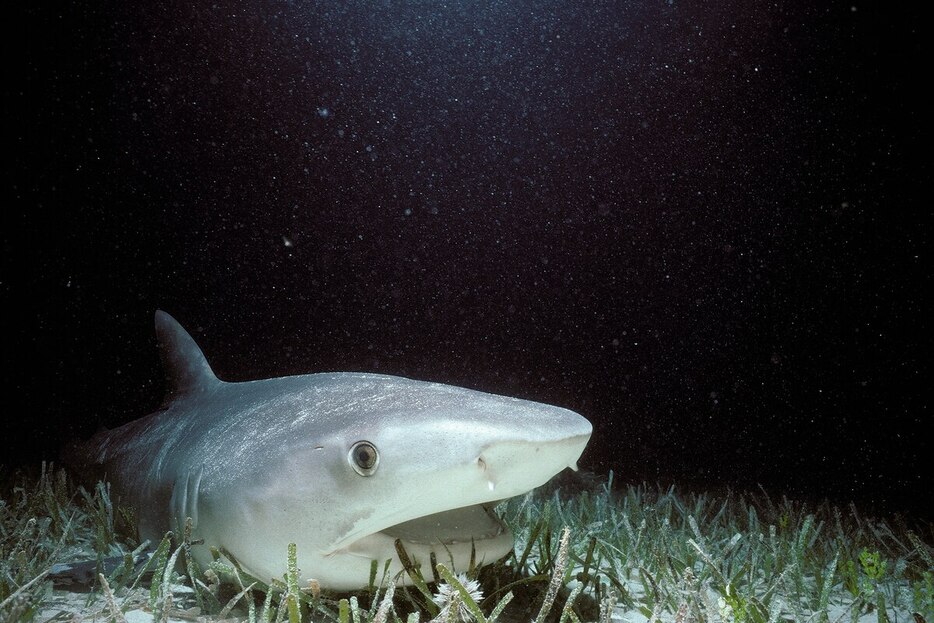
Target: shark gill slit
194	490
178	502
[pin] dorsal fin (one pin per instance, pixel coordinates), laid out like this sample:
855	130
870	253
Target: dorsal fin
186	369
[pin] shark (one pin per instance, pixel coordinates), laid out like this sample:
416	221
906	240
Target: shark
342	465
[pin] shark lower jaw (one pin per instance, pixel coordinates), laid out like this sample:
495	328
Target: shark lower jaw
454	536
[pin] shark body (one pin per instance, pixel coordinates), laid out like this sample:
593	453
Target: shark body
341	464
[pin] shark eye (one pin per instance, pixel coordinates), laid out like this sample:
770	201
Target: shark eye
364	458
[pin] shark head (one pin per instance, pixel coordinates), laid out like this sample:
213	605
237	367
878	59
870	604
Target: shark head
369	459
344	465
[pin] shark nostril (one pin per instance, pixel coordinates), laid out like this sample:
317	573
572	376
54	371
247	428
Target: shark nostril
481	463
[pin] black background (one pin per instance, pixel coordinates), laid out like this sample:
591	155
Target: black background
704	226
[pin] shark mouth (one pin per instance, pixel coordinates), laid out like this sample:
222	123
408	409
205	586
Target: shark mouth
460	525
453	536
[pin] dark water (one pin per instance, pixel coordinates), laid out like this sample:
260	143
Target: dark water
702	227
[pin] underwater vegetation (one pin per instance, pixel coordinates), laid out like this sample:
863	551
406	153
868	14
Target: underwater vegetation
635	553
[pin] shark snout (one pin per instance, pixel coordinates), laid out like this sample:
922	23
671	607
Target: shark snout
516	466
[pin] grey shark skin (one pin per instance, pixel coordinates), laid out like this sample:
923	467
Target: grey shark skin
341	464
